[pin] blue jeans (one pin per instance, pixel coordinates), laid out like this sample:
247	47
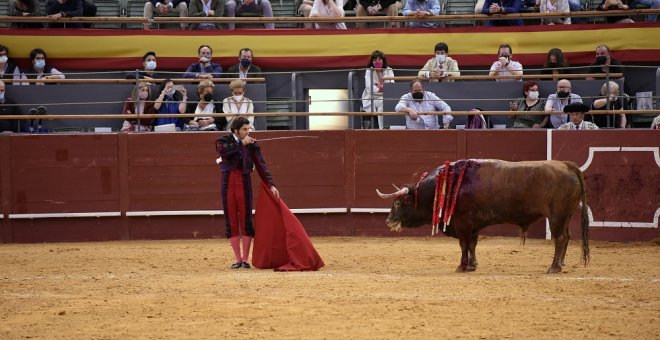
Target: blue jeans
576	6
654	4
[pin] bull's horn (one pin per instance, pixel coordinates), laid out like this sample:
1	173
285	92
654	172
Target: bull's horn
396	187
400	192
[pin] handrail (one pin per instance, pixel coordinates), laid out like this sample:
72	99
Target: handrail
131	81
443	17
524	76
305	114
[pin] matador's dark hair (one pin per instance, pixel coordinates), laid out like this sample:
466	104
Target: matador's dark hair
238	123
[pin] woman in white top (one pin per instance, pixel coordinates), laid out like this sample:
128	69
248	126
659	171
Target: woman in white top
372	96
238	104
555	6
328	9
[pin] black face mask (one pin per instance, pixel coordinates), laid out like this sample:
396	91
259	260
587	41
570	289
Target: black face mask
208	97
552	64
601	60
562	94
418	95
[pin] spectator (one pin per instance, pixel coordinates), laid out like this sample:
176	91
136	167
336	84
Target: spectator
555	63
262	7
204	69
555	6
502	7
441	67
611	100
604	62
40	69
328	9
8	107
206	9
372	96
417	102
164	7
205	106
304	9
238	104
577	111
245	68
172	99
138	103
557	101
149	71
373	7
476	121
529	103
505	66
421	9
615	5
8	69
653	4
57	9
655	124
25	8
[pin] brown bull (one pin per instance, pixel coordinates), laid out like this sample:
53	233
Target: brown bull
494	192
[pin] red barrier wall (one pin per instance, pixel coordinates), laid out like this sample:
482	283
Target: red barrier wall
136	178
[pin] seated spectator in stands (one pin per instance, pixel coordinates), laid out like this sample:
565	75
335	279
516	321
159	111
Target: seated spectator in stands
557	101
421	9
611	99
204	68
238	104
328	9
164	7
206	9
417	102
377	69
57	9
655	124
304	9
149	72
441	67
25	8
555	6
138	103
8	69
245	68
172	99
653	4
502	7
604	62
505	66
529	103
577	111
261	7
615	5
555	63
373	7
7	108
40	69
476	121
205	106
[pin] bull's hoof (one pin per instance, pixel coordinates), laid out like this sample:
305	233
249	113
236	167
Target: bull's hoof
470	268
465	268
554	270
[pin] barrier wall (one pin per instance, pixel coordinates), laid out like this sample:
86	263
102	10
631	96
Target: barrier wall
84	187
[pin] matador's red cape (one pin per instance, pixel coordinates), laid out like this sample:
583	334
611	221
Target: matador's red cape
280	241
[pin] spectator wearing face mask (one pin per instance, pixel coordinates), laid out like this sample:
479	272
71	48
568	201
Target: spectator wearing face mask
372	96
40	69
611	99
604	62
138	103
8	107
245	68
529	103
8	69
557	101
555	63
205	106
441	67
204	68
149	68
418	102
238	104
505	66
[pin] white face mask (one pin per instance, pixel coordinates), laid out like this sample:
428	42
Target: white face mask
238	98
169	92
2	96
533	95
3	59
150	65
440	58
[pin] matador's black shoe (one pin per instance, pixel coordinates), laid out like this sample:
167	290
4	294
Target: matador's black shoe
236	265
246	265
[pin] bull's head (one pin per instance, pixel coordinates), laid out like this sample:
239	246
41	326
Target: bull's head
404	212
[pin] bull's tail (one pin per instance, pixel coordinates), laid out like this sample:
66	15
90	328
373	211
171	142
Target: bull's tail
585	215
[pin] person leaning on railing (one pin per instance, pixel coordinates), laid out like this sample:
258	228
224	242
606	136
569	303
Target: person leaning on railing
172	99
502	7
164	7
25	8
260	7
616	5
610	99
372	96
8	69
417	9
531	102
8	107
373	7
328	9
555	6
41	69
441	67
206	9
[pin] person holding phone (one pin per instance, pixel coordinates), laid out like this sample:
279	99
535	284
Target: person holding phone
505	66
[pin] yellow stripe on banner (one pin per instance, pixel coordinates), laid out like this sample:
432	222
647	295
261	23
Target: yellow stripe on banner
310	45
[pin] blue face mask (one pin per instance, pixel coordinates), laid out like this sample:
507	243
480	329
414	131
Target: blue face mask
150	65
2	96
40	64
440	58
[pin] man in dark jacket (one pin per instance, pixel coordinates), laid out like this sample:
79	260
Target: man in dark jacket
373	7
245	68
204	68
165	7
56	9
238	155
8	107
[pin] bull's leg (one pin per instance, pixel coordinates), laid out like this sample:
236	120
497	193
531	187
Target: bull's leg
561	236
472	265
465	249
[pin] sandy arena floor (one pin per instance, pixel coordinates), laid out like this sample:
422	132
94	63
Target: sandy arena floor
370	288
